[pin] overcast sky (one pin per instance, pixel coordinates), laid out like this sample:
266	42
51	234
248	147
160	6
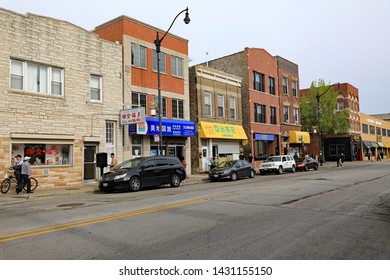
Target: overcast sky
335	40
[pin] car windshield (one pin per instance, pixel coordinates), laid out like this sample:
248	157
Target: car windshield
227	163
273	159
132	163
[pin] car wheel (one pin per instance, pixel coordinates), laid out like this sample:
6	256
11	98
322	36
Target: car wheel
315	167
306	168
175	181
280	170
293	169
234	176
252	175
135	184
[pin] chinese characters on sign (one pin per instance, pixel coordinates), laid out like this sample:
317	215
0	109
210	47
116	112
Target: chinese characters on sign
136	115
168	127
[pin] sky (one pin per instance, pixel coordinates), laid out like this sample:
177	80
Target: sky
346	41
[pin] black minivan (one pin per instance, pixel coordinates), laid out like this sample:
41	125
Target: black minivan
135	174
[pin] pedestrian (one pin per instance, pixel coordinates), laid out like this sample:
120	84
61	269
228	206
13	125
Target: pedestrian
114	161
17	167
26	173
212	163
295	156
369	155
378	157
340	159
250	158
241	155
184	164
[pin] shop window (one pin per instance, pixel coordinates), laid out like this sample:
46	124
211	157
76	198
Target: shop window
136	141
45	154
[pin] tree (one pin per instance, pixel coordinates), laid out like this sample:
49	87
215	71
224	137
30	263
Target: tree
331	121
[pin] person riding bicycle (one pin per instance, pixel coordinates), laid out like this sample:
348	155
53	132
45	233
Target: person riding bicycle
18	172
26	172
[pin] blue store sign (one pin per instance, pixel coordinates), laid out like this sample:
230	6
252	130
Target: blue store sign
169	128
264	137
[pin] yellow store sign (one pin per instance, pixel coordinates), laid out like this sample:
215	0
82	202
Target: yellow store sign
222	131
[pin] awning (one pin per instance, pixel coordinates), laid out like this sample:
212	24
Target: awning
374	144
386	144
222	131
380	144
367	144
299	137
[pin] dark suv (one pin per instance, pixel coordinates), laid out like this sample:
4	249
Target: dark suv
135	174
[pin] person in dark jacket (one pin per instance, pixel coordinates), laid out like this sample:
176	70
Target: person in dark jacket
18	172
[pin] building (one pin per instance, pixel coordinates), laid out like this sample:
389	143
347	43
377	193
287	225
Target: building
61	91
216	108
140	87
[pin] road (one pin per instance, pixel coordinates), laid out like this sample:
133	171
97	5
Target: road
333	213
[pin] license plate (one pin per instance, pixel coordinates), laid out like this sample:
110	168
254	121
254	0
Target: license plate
215	176
105	184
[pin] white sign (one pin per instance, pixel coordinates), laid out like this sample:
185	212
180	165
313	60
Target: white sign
136	115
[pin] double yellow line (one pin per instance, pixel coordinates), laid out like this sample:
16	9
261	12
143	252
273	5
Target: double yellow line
81	223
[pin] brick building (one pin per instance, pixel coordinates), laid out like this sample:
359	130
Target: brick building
141	87
61	91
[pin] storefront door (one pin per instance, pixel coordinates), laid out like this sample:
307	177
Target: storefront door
89	162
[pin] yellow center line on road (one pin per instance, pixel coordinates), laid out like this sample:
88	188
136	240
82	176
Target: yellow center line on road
75	224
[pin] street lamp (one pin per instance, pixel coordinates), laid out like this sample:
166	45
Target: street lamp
157	43
318	118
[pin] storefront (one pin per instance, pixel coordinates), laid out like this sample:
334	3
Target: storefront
298	141
264	145
223	141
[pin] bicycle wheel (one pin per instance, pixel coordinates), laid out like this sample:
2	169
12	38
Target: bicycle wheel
5	185
34	184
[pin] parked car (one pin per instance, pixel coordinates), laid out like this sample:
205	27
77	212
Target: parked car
306	163
278	164
232	169
138	173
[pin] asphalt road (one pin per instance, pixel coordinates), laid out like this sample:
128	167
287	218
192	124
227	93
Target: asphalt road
329	214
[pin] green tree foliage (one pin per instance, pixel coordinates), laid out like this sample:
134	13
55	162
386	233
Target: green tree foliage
331	121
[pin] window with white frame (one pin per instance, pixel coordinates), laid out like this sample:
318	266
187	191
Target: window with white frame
260	113
138	55
96	88
285	85
208	105
138	100
177	66
286	114
340	106
110	132
221	106
177	108
164	105
33	77
163	62
273	115
296	115
258	81
271	82
232	108
295	88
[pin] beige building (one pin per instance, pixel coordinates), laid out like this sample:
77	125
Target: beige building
61	96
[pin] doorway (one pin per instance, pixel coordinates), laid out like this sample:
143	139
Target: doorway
89	162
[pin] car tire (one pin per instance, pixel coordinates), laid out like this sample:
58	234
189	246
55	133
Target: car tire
135	184
175	181
316	167
252	175
280	170
234	176
293	169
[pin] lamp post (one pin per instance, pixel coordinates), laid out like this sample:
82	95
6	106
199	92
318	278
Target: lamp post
157	43
318	119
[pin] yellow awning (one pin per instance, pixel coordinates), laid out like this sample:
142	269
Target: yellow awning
386	144
222	131
299	137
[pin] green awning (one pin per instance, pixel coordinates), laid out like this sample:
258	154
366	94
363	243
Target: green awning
374	144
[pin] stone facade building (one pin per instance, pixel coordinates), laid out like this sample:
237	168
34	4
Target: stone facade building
61	95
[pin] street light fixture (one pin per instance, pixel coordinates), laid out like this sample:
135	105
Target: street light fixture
157	43
318	118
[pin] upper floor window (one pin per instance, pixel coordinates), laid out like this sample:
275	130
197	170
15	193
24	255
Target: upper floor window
271	82
259	113
378	131
286	114
178	108
110	132
232	108
296	115
221	106
340	106
273	115
96	85
372	129
365	128
258	81
295	89
138	100
177	66
208	105
164	105
285	85
383	131
138	55
34	77
163	62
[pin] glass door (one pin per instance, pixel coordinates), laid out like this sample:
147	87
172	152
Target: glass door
89	162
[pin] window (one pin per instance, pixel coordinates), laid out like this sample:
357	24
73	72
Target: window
273	115
296	115
138	55
110	132
258	81
232	108
295	89
221	106
271	85
388	133
38	78
259	113
164	105
136	141
178	108
285	85
378	131
96	85
336	149
372	129
138	100
340	105
365	128
177	66
286	114
208	105
163	62
383	132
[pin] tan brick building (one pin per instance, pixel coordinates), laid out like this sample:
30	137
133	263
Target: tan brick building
61	95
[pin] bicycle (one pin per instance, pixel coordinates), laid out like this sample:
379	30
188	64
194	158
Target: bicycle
10	180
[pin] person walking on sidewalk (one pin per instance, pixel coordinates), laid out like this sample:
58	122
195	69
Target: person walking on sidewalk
340	159
26	173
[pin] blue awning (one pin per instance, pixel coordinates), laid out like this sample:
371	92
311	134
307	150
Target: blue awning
170	127
367	144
